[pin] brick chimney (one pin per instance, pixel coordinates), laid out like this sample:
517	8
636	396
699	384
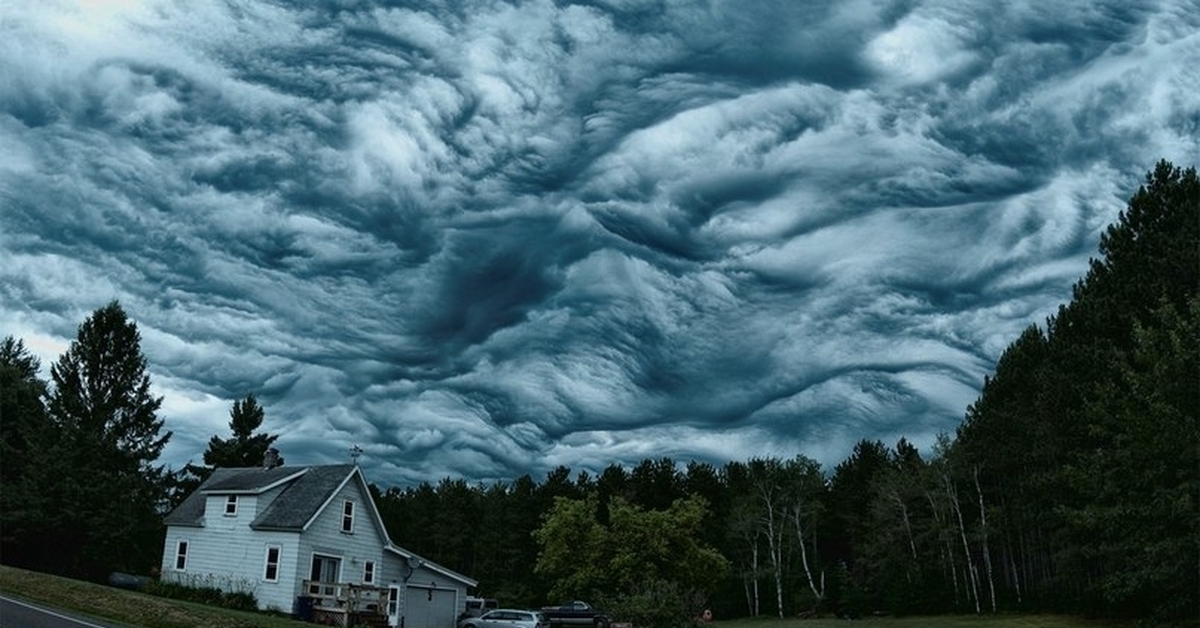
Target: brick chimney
271	459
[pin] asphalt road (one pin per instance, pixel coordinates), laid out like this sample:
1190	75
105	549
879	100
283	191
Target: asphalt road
22	614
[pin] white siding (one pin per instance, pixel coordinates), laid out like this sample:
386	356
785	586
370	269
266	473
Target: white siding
280	595
216	519
175	534
234	559
324	536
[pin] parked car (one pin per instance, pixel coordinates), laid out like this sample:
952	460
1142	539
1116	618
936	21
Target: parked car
575	614
477	606
506	618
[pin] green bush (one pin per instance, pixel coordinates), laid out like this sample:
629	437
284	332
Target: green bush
654	605
210	595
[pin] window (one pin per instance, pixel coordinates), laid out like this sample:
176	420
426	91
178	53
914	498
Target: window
369	572
181	556
348	516
271	573
231	506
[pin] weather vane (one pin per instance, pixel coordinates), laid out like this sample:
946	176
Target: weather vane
355	452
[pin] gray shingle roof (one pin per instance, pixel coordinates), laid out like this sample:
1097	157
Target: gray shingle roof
301	497
247	479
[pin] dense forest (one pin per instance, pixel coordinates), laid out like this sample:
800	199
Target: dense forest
1072	484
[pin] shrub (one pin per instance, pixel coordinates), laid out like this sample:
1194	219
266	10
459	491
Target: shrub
654	605
203	590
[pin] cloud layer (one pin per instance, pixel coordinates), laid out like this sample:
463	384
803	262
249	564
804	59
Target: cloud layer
483	239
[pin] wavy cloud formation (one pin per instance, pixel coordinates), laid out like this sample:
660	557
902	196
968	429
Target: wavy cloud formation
490	238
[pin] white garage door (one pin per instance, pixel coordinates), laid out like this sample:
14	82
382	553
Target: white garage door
429	608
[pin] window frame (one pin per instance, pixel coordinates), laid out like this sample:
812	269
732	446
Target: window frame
348	516
268	564
181	554
231	505
368	576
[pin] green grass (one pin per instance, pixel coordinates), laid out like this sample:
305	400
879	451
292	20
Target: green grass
129	607
147	611
941	621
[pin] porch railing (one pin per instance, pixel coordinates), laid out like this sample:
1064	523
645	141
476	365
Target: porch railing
345	604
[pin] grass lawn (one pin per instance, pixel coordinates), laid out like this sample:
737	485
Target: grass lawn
130	607
147	611
941	621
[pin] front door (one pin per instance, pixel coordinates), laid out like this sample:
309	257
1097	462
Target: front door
324	575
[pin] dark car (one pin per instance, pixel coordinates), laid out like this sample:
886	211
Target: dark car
576	613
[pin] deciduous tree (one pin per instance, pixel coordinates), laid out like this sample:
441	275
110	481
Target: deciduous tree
646	565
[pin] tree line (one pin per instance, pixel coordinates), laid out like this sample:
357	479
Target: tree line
1071	485
80	493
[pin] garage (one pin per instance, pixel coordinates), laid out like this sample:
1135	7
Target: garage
429	607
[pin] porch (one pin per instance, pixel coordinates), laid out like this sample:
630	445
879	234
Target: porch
343	604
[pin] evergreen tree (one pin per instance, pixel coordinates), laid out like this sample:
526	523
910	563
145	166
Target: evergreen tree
655	484
109	433
455	544
851	496
25	436
1140	519
1084	440
245	448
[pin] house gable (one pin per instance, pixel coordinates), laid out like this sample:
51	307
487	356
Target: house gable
362	542
304	498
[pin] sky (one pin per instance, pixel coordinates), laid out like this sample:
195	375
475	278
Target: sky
481	239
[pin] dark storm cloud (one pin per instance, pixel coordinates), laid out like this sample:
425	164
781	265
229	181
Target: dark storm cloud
486	239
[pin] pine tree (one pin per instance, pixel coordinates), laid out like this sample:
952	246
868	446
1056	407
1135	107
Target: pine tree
25	434
110	436
1084	440
244	448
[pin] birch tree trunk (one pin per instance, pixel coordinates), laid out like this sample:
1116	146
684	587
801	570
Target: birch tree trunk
746	527
797	518
896	499
946	547
973	575
774	545
1014	554
983	528
1016	575
757	597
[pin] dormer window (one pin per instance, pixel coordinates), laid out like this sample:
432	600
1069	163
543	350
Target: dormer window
348	517
231	506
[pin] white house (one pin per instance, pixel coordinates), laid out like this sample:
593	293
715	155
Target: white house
305	540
